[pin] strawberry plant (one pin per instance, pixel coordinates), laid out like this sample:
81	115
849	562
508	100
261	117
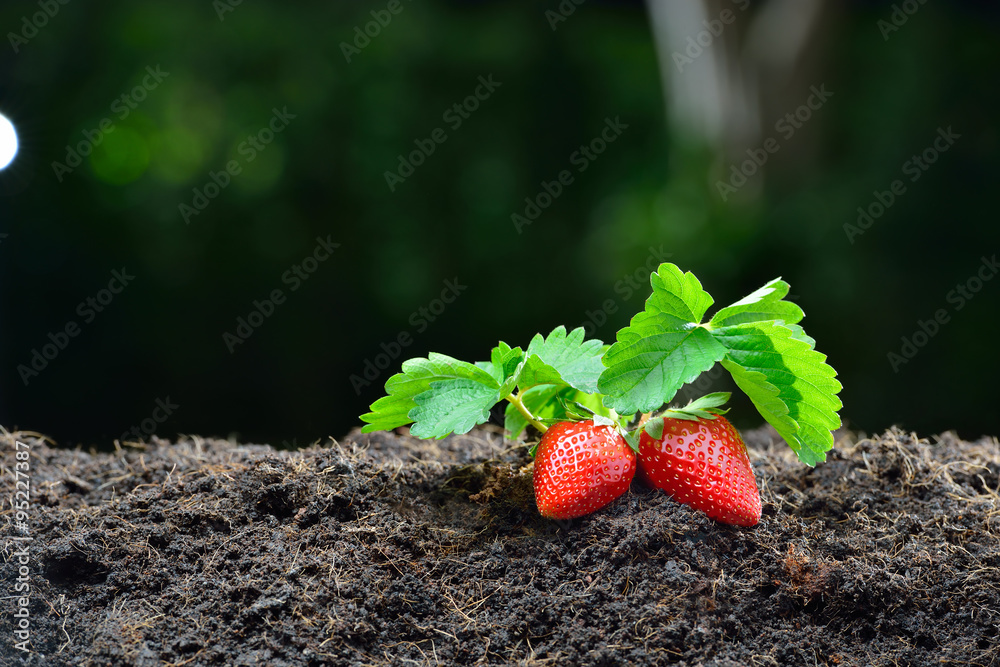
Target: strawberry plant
617	389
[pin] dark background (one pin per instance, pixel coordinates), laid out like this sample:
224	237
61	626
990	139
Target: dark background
162	336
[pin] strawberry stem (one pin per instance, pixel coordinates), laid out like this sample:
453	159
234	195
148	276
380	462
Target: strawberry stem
519	404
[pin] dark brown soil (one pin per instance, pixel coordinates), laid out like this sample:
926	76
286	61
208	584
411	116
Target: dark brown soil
385	550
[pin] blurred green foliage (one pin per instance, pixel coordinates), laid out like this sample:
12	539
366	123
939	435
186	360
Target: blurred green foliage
451	220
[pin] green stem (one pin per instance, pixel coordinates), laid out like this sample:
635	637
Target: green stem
519	404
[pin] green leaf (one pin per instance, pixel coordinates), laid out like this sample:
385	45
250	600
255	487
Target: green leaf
508	363
714	400
677	295
764	396
663	347
654	428
452	406
576	411
601	420
800	334
643	375
706	407
632	438
534	372
417	377
503	361
790	383
490	367
765	304
576	361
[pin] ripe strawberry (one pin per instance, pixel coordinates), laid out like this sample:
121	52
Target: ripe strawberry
580	468
703	464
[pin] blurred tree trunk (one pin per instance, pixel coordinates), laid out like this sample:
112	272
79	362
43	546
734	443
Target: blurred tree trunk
732	68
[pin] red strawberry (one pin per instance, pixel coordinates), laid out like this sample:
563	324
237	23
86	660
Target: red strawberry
703	464
580	468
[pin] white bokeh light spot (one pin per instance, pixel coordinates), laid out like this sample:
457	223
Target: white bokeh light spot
8	142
